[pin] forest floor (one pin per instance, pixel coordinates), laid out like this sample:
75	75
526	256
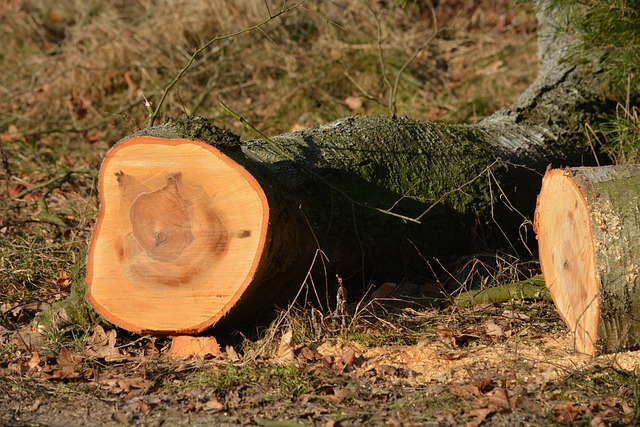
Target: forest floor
78	76
503	364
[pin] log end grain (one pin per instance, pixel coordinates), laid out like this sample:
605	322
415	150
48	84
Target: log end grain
179	236
567	256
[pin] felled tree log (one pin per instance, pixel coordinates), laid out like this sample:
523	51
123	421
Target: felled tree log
177	247
193	222
589	240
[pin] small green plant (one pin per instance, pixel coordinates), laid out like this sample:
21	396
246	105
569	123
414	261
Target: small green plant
290	381
621	136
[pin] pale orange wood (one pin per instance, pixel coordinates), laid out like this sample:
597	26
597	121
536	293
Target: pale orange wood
567	256
588	228
179	236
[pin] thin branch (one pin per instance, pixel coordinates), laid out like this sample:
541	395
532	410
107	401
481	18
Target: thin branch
266	3
274	145
363	91
154	113
61	178
381	59
394	88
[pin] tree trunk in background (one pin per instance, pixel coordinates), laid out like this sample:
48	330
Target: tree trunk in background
348	188
589	238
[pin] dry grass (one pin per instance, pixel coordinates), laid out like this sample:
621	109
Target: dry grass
77	65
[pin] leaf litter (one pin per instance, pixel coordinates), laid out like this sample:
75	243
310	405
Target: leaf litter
504	365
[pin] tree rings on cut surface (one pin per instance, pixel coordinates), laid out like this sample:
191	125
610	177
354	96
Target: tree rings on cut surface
179	236
589	242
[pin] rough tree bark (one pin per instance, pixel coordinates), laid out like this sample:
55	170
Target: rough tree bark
350	188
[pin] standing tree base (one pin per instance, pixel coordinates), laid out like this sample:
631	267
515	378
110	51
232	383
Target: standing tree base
589	241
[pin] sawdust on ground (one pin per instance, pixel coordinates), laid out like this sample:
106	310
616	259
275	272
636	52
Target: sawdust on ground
542	359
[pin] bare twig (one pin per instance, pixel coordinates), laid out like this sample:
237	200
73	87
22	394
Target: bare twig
60	178
154	113
383	70
394	88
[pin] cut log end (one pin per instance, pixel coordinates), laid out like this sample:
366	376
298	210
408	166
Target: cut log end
589	240
567	256
179	235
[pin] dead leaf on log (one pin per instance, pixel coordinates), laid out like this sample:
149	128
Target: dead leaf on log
354	103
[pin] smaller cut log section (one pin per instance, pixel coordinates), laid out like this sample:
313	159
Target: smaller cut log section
587	223
179	237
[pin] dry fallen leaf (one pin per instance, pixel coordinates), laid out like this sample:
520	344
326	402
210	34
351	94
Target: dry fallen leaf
498	398
34	362
480	415
297	127
67	362
493	330
286	348
102	344
565	413
490	69
231	353
138	382
212	406
306	354
124	385
349	357
515	315
62	282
